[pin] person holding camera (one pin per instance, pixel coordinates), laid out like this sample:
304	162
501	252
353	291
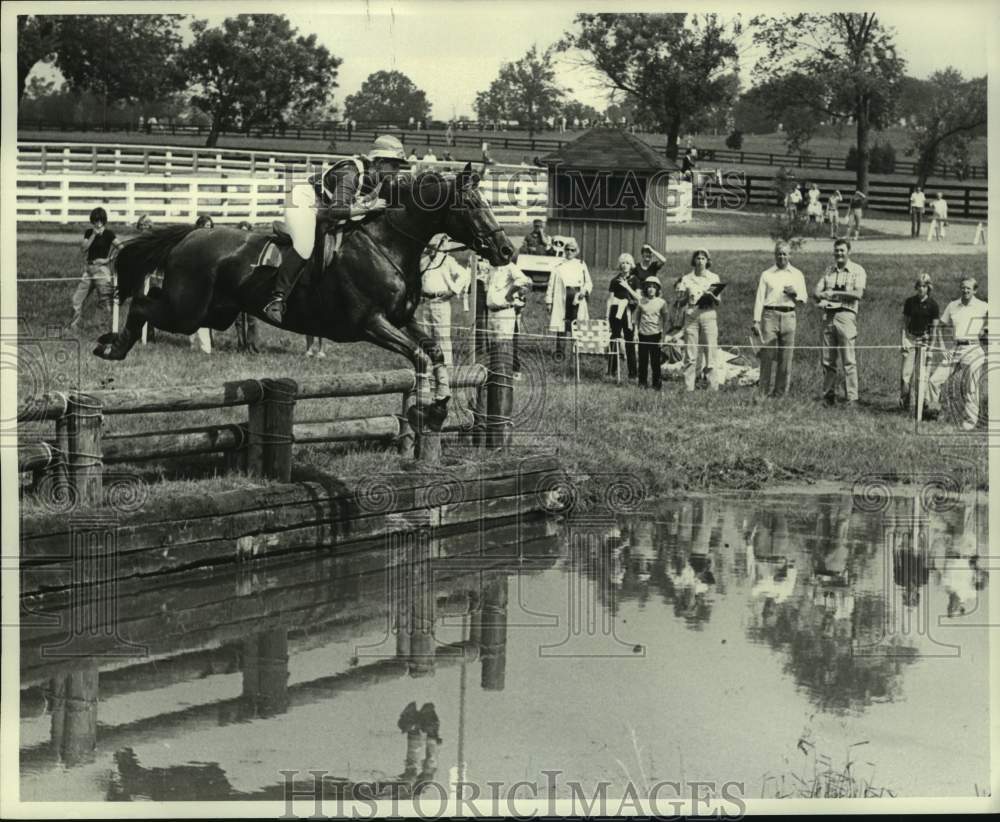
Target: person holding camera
838	293
700	289
621	312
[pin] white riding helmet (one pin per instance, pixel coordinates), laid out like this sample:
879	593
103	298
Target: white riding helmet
387	147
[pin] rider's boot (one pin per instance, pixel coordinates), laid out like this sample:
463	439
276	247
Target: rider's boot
288	272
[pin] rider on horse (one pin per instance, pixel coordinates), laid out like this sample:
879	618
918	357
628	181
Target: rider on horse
341	192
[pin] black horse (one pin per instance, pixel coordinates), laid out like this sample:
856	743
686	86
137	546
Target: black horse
369	291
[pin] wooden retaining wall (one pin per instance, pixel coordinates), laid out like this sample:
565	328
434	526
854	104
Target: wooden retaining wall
91	546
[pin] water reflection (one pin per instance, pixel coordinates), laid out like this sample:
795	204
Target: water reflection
367	667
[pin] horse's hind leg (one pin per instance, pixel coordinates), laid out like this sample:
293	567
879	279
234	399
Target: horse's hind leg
153	308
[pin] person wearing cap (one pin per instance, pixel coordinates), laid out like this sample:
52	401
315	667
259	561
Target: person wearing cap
855	213
342	191
966	317
652	316
774	321
621	305
567	292
839	292
443	278
701	324
537	242
920	318
505	288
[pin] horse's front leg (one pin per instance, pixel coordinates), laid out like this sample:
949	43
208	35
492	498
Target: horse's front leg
384	334
435	356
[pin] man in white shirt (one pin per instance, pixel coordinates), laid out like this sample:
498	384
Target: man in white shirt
838	293
444	278
774	322
506	288
966	317
918	202
939	224
567	292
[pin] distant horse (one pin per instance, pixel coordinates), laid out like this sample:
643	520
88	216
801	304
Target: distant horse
369	291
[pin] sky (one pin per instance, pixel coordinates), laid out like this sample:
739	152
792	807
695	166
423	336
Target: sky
453	49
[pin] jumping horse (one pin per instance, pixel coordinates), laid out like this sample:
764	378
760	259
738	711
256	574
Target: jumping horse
369	291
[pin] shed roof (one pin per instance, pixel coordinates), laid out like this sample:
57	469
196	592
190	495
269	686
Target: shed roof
609	149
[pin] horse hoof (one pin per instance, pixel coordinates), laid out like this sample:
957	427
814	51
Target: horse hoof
107	339
107	352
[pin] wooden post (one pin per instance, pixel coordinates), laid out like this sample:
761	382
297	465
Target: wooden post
74	700
500	393
493	634
965	212
269	430
918	371
406	435
85	455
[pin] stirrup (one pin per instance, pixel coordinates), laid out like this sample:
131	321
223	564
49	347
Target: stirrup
275	309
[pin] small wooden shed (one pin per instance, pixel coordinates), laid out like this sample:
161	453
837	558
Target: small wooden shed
611	192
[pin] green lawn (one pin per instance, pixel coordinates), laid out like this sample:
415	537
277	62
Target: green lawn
673	440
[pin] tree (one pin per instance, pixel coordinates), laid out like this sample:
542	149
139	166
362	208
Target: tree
950	112
37	37
387	97
846	68
121	58
781	100
525	91
673	67
580	111
255	69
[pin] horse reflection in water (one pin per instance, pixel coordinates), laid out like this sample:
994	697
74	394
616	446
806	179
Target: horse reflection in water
369	291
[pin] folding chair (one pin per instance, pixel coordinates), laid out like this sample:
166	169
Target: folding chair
594	337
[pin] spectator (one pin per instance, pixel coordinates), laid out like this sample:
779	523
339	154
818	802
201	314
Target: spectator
792	202
621	304
143	224
430	157
537	242
939	223
204	221
774	321
833	213
486	154
652	316
839	292
449	136
814	208
700	290
447	157
505	289
413	158
566	296
966	317
99	245
918	202
650	262
443	279
855	212
920	318
314	347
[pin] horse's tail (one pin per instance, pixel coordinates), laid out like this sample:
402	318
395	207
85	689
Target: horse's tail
145	254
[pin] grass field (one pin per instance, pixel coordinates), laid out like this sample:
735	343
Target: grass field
673	440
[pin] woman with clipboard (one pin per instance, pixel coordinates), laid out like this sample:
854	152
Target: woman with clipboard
700	287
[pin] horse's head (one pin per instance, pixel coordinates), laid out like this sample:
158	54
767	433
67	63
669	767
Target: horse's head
470	220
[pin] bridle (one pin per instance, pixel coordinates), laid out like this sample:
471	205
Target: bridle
480	242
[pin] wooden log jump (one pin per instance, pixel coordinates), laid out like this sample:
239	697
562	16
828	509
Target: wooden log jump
261	447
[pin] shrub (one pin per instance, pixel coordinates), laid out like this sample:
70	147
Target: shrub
735	140
881	159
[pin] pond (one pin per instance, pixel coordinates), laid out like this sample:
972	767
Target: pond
765	640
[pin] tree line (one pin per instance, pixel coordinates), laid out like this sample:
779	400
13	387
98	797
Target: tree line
670	73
